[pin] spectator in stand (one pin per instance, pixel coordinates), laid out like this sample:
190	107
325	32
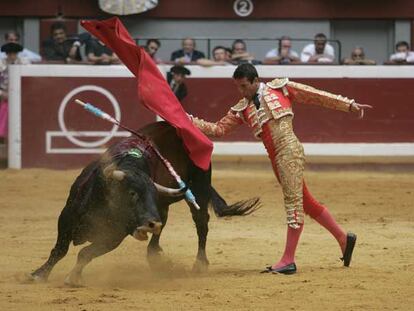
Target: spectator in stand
12	51
175	78
228	54
13	36
318	52
358	58
222	54
239	54
283	54
220	58
403	54
99	54
188	54
59	47
151	47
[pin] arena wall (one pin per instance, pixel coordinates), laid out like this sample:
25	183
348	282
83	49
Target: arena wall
47	129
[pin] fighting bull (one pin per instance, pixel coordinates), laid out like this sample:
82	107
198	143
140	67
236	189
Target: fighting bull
128	192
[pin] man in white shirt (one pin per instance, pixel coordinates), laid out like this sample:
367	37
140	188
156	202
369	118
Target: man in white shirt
318	52
14	37
403	55
283	54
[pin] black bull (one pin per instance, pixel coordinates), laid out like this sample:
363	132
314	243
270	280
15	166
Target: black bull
120	195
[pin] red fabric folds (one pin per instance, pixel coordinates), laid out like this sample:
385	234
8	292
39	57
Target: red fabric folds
153	90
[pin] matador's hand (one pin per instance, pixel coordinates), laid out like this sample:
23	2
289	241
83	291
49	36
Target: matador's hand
359	108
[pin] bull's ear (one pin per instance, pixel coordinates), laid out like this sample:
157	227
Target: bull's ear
118	175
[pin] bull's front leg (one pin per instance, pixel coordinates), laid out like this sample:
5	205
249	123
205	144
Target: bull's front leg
58	252
154	249
201	189
156	261
201	218
86	254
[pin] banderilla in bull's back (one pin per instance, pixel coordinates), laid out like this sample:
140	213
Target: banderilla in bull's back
120	194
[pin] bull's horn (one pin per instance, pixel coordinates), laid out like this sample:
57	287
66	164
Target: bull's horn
169	191
108	170
118	175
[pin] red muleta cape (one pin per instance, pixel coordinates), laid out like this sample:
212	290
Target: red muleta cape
153	90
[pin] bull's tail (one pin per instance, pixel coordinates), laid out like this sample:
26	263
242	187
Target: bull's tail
241	208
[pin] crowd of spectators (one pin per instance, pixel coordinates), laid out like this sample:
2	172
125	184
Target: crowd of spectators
318	52
83	48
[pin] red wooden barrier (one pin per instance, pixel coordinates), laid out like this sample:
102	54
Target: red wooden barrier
47	129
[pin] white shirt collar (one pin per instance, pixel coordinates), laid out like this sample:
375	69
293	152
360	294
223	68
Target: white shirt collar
260	90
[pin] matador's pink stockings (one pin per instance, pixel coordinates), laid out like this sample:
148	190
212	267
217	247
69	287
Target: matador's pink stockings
292	239
321	214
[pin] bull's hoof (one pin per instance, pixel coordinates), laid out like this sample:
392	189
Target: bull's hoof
200	266
154	251
36	278
73	281
159	264
31	278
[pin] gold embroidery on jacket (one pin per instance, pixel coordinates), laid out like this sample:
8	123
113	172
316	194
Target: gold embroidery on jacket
241	105
277	83
220	128
253	119
306	94
289	160
273	103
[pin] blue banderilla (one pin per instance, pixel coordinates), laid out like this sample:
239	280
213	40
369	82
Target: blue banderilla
189	196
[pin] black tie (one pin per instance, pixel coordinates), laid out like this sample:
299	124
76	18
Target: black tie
256	100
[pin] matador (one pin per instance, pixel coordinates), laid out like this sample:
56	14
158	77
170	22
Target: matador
267	109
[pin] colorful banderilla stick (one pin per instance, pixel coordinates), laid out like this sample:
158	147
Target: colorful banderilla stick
189	196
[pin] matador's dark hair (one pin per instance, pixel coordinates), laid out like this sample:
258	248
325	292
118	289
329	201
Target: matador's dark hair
246	71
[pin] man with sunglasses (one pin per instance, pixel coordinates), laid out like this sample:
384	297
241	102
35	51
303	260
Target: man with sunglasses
358	58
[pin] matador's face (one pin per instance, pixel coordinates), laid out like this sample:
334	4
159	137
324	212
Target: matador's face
246	88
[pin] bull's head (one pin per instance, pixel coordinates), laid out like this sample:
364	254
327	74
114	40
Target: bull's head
139	194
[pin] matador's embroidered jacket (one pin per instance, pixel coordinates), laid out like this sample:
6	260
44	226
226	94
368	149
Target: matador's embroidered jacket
271	122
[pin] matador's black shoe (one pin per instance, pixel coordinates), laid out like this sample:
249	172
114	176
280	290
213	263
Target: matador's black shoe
349	249
288	269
